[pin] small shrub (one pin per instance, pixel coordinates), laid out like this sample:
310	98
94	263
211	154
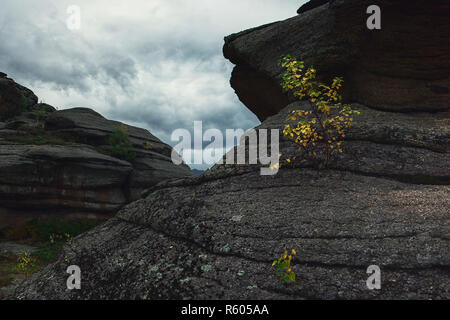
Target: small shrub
121	146
26	263
148	145
284	267
58	237
326	122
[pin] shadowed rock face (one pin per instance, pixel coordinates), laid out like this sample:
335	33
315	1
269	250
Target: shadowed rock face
215	236
402	67
14	98
60	161
150	165
50	176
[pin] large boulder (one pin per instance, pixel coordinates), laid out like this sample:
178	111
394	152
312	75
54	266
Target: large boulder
70	176
383	202
411	147
152	163
402	67
61	162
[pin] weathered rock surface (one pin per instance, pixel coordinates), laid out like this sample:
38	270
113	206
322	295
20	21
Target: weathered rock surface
216	240
150	165
72	176
383	202
402	67
411	147
61	160
216	235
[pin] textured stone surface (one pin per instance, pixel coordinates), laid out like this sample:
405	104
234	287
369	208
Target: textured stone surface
217	239
215	236
410	147
402	67
71	172
150	165
55	177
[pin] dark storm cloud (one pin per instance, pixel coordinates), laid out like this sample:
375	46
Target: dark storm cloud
152	63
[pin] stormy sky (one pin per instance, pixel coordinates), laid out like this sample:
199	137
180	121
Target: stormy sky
155	64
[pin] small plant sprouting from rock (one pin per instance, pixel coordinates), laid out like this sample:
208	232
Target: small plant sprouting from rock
284	265
25	263
121	144
326	122
148	145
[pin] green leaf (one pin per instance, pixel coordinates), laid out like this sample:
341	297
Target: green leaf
292	276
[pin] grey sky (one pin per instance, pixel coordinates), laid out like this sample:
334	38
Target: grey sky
156	64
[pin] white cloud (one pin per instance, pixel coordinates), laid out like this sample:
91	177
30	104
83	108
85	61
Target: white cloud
153	63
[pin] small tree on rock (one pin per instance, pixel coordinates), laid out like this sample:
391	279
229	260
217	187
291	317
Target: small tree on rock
121	146
325	123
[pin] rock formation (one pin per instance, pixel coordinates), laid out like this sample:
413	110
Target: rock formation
311	5
56	161
14	98
383	201
402	67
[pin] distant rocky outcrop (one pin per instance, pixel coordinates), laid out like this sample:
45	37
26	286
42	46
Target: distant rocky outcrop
402	67
14	98
311	5
383	201
56	161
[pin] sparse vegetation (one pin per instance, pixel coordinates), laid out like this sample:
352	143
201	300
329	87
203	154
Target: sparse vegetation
121	146
25	263
148	145
47	235
38	136
42	230
284	266
41	139
324	125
